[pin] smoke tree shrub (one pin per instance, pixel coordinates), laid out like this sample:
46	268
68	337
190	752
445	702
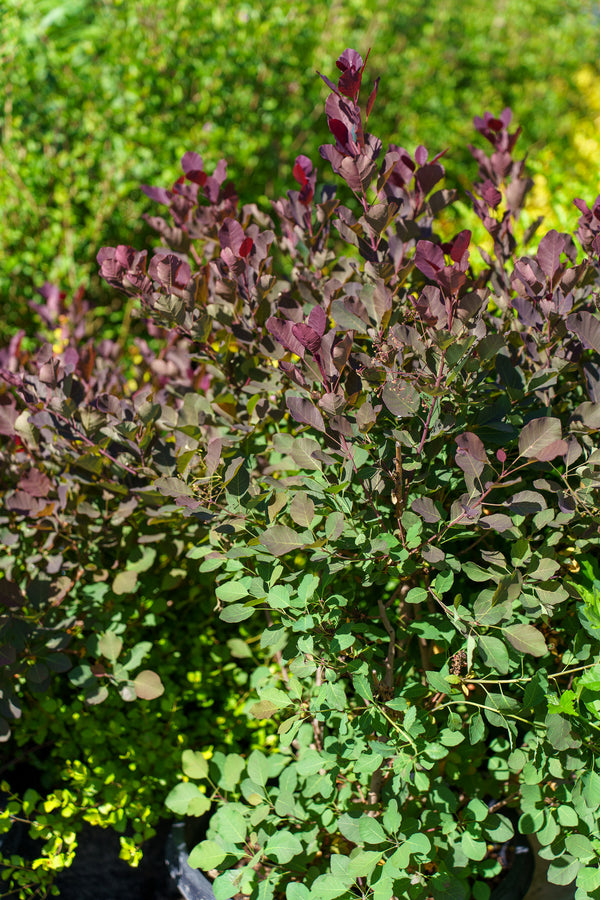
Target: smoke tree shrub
388	462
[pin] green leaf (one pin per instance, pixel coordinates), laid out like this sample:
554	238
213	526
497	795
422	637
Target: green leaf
110	645
230	591
477	809
237	612
493	653
232	824
563	870
233	768
526	639
362	864
279	539
334	525
258	767
591	790
588	879
135	656
206	856
239	649
416	595
371	831
223	886
283	847
264	709
580	847
476	728
148	686
498	828
194	764
472	847
567	816
297	891
181	796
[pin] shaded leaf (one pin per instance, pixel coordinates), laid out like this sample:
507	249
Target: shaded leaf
304	411
586	327
426	508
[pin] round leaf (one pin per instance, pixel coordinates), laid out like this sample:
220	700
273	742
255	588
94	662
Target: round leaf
207	855
148	685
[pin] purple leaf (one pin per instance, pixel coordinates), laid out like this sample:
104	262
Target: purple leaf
35	483
318	320
170	270
339	131
421	155
231	235
349	59
429	259
372	97
307	336
549	250
496	522
280	539
193	166
282	330
147	685
160	195
8	415
332	403
460	245
586	327
245	247
542	439
527	503
426	508
328	82
305	412
470	455
302	169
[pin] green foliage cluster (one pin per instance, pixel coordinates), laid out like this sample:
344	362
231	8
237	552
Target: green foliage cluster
102	95
346	495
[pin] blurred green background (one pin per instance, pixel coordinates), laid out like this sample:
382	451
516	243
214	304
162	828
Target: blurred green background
98	96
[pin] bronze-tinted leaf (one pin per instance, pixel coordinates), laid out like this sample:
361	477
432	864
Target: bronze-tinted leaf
526	639
280	539
542	439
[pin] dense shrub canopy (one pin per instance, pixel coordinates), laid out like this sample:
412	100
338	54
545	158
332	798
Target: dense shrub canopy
373	467
102	96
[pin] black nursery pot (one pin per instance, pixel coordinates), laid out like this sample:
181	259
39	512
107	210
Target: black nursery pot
191	884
